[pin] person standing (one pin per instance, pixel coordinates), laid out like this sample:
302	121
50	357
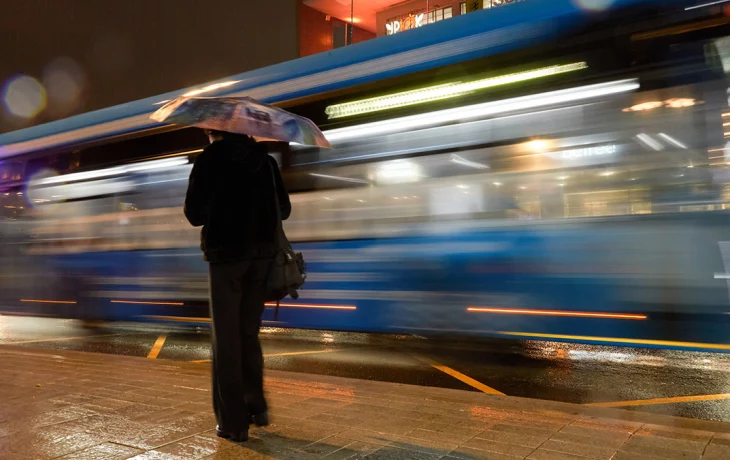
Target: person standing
231	194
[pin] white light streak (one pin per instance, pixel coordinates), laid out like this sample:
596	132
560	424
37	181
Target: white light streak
672	140
481	110
340	178
718	2
117	170
210	88
464	162
649	142
444	91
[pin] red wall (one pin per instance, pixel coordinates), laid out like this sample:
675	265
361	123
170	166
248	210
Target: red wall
315	31
361	35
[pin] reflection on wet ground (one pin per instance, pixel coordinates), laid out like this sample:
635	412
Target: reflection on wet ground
689	384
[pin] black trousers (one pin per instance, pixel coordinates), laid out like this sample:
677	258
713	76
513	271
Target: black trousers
237	291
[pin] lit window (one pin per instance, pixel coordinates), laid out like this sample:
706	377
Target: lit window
439	14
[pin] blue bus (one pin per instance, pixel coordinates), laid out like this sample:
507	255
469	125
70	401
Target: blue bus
548	170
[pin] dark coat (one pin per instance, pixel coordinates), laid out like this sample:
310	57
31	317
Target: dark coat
231	194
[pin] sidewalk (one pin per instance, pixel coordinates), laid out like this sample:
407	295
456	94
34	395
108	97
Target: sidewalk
72	405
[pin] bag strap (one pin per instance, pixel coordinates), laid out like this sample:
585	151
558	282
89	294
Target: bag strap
279	224
276	192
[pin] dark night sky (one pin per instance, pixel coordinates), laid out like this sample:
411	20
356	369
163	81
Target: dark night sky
91	54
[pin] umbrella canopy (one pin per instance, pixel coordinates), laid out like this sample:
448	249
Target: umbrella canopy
242	115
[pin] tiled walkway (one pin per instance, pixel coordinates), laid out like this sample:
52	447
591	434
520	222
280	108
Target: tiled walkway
72	405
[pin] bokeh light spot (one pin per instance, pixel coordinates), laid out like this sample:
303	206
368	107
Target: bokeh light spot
64	81
38	194
594	5
24	96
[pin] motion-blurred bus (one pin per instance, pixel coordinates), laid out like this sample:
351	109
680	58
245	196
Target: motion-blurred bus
538	171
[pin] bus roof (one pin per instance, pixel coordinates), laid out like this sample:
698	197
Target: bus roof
459	39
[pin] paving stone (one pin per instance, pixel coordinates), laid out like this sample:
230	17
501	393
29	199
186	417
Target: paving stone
353	451
586	440
394	453
661	442
348	422
434	444
99	406
716	452
196	447
685	434
452	431
106	451
370	437
581	450
396	426
621	455
523	439
528	430
458	435
498	447
659	452
603	423
543	454
328	445
606	435
467	453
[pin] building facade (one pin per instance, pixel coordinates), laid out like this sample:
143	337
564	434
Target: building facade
66	57
328	24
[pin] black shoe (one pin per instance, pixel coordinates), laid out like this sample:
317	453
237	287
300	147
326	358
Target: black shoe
261	419
235	436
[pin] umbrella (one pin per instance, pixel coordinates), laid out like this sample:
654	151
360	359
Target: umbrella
242	115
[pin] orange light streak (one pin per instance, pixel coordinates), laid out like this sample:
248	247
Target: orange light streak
581	314
140	302
325	307
48	301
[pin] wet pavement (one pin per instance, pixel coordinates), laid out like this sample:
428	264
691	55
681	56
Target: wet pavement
59	404
681	383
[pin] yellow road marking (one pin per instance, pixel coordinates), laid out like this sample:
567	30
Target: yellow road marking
459	376
291	353
666	343
58	339
294	353
650	402
157	347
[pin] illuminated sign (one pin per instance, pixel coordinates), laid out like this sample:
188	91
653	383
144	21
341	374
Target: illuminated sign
599	150
444	91
674	103
410	22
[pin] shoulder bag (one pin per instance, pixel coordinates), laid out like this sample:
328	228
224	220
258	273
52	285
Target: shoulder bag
287	271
